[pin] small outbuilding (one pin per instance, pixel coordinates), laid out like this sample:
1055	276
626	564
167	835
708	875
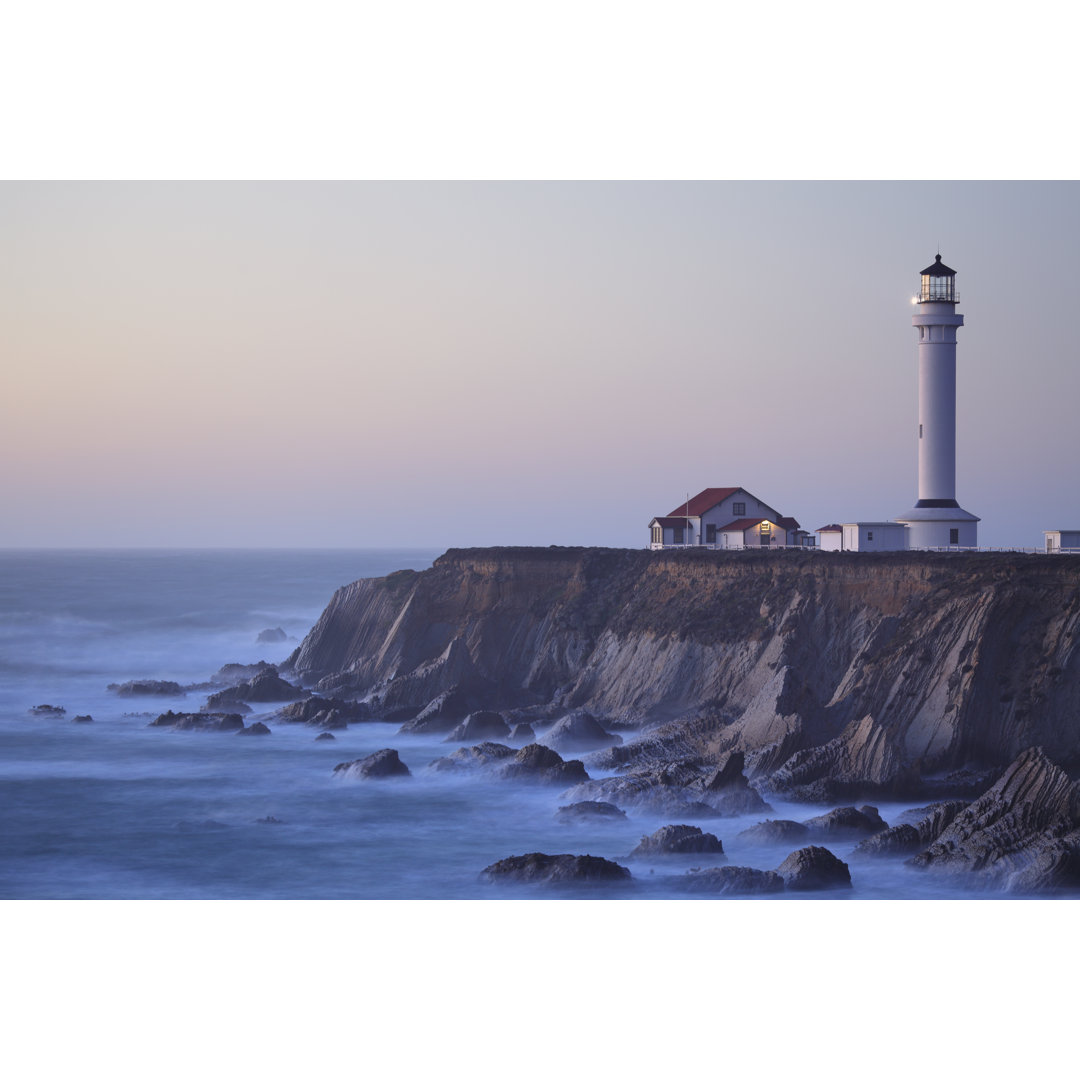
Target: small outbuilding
830	537
874	536
1062	540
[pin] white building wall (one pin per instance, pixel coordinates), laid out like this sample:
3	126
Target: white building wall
875	536
830	541
934	534
1062	538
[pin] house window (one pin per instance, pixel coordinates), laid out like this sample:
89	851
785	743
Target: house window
869	536
678	534
738	509
710	534
954	536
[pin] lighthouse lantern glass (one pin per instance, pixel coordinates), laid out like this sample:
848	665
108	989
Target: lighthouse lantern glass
938	288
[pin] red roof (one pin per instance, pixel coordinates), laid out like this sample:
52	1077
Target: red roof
704	501
830	528
743	524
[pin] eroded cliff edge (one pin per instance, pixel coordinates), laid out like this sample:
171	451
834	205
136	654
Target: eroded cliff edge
831	672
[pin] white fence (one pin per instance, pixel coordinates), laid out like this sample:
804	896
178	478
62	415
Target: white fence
829	551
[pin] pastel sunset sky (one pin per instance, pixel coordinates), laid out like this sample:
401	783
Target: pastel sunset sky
453	363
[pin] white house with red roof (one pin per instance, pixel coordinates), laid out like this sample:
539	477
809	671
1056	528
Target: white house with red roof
729	517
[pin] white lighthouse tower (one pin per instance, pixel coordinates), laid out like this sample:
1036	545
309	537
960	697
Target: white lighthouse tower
936	519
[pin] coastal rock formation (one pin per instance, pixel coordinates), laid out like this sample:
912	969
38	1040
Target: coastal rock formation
147	688
258	728
577	732
325	736
472	757
199	721
913	832
845	823
266	686
837	675
677	840
812	868
267	637
323	712
479	725
442	713
1023	835
539	869
47	710
775	832
589	811
732	881
378	766
85	719
541	765
522	733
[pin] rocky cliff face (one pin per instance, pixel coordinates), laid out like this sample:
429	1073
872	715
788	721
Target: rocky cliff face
830	672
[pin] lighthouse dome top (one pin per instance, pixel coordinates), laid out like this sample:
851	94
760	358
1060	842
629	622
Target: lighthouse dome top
938	283
938	269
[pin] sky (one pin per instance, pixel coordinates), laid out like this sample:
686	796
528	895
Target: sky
428	364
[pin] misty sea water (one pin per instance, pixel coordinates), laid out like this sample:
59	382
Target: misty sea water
114	809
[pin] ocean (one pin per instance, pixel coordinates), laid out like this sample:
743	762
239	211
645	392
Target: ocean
115	809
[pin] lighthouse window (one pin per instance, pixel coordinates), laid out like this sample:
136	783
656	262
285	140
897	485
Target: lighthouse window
920	431
954	536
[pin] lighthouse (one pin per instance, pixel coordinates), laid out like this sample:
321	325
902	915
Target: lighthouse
937	520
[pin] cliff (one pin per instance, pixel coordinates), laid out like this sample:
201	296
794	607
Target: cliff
834	669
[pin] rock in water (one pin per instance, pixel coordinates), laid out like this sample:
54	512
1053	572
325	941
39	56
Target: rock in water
48	710
923	826
729	792
269	637
442	713
323	712
812	868
478	726
472	757
82	719
200	721
326	736
147	688
536	868
378	766
677	840
775	832
541	765
1023	835
578	732
845	822
267	685
732	880
258	728
589	811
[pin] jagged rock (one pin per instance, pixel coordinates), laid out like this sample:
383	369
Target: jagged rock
578	732
812	868
542	765
677	840
845	822
522	733
442	713
82	719
324	737
147	688
47	710
539	869
781	831
378	766
913	832
234	674
200	721
273	636
233	706
1023	835
266	686
323	712
479	725
589	811
472	757
731	880
729	792
667	790
258	728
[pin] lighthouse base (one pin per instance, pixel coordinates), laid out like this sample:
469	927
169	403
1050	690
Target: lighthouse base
940	527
